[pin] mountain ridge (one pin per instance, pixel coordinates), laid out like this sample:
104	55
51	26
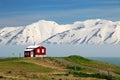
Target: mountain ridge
30	34
103	32
94	31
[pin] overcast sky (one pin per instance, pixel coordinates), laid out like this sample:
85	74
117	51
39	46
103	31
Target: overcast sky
23	12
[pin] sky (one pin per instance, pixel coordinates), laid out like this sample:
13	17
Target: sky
66	50
24	12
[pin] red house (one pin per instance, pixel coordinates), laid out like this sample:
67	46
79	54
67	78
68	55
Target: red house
35	51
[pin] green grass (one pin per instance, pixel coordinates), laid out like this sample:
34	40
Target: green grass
16	65
92	63
10	59
96	75
117	73
42	69
78	59
18	69
78	68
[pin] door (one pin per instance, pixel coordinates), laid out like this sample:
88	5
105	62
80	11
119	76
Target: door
32	54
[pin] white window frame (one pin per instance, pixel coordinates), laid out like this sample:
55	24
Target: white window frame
43	50
38	50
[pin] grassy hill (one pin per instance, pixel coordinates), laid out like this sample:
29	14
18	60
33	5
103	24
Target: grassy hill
57	68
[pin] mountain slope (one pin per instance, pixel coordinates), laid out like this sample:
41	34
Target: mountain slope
94	31
91	32
30	34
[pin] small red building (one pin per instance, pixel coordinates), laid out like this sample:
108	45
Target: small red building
35	51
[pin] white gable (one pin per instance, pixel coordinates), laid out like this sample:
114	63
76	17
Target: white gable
30	48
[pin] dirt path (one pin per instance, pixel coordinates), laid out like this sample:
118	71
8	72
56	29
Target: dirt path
45	63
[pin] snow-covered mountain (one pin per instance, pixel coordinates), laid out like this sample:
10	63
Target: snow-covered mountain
30	34
90	31
94	31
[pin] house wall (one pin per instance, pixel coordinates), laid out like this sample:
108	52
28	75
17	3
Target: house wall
40	51
27	54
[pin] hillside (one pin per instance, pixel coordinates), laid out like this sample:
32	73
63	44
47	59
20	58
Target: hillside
94	31
57	68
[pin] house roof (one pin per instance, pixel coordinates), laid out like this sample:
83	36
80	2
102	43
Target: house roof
30	48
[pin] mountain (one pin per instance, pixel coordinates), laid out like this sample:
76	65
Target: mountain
89	32
30	34
96	31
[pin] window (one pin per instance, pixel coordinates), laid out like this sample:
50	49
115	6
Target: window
27	54
43	51
38	50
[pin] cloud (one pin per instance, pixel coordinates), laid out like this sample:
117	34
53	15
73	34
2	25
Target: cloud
28	19
60	16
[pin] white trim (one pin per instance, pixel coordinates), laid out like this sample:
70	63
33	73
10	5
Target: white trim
38	50
33	46
31	55
40	55
28	49
43	50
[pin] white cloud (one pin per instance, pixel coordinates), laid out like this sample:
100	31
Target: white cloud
61	16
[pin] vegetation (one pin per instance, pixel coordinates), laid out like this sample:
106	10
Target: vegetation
76	68
96	75
57	68
117	73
